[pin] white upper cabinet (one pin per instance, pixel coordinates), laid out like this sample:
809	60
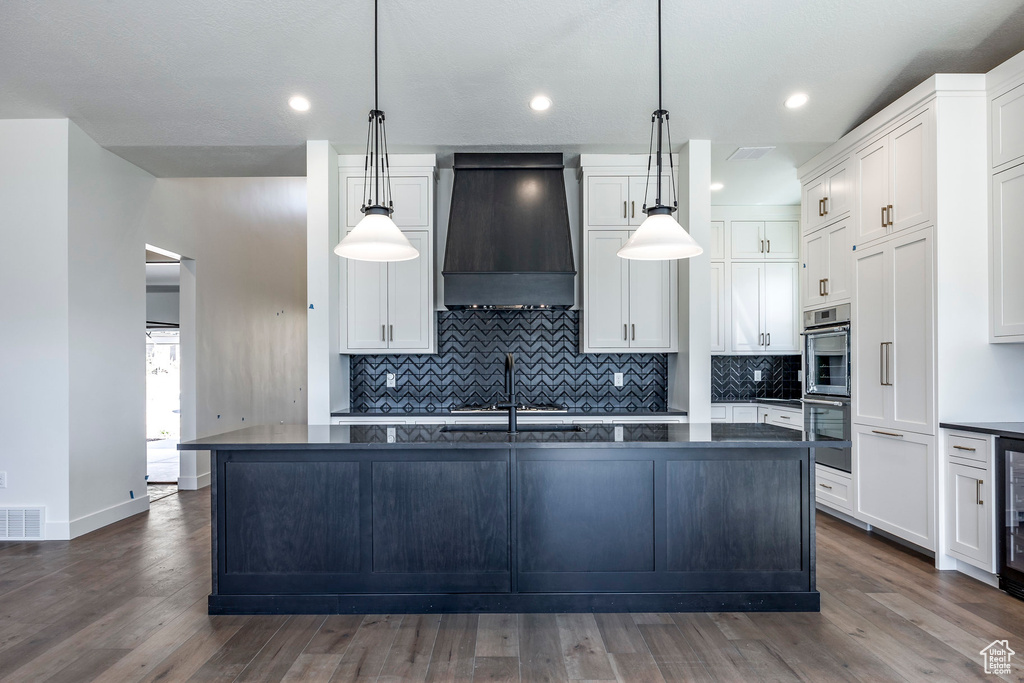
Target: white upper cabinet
764	307
828	197
893	334
896	180
747	307
1007	121
717	247
781	307
718	310
628	305
388	307
608	201
827	263
764	240
1007	255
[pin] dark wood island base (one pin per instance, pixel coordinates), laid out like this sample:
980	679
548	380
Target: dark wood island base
666	518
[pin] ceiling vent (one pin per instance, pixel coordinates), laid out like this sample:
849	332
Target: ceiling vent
749	153
21	524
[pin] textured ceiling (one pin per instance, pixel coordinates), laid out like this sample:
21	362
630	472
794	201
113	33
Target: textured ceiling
199	87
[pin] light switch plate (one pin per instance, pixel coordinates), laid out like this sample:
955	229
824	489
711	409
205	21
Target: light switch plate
618	379
391	380
757	375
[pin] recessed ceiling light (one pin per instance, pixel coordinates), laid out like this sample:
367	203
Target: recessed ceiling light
299	103
715	187
540	103
796	100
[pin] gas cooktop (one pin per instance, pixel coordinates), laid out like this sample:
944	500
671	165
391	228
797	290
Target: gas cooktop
522	408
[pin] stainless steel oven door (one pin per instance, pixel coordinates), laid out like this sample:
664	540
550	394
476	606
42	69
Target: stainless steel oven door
825	421
827	362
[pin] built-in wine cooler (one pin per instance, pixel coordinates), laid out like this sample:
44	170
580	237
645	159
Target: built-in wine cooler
1010	466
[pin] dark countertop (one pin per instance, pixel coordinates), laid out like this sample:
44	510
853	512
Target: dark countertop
299	437
777	402
501	413
1010	430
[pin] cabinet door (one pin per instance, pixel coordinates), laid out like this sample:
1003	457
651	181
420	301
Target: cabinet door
717	249
1008	127
747	302
717	295
838	191
815	269
410	195
608	201
744	414
872	167
650	297
813	203
1007	255
871	314
782	307
409	306
910	162
970	534
781	240
895	481
839	258
746	239
606	310
367	298
911	353
762	415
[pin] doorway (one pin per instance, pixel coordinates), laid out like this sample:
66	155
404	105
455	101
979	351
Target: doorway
163	371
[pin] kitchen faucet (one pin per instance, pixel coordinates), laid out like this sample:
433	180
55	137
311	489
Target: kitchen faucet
510	390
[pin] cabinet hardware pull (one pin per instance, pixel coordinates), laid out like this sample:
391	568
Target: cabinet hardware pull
624	203
382	337
965	448
890	214
888	363
826	286
821	291
825	486
762	246
875	431
881	363
625	332
884	223
821	207
391	333
632	209
768	339
760	339
826	205
634	331
785	417
769	246
977	495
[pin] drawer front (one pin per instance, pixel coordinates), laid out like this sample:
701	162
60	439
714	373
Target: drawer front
832	489
967	447
785	418
719	413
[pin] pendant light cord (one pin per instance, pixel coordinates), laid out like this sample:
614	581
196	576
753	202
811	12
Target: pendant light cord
659	55
376	77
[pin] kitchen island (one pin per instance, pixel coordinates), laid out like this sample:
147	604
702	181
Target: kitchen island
417	518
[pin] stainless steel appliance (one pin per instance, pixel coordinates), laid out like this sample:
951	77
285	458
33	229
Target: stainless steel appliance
827	383
1010	490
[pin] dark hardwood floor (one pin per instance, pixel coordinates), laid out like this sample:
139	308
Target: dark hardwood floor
128	603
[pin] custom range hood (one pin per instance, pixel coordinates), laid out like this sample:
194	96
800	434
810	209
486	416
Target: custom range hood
508	233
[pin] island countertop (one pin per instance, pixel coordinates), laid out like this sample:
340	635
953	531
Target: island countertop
316	437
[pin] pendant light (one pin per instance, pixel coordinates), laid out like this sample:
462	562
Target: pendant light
660	237
376	237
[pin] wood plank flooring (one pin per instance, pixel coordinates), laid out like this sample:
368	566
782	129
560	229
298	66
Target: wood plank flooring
128	603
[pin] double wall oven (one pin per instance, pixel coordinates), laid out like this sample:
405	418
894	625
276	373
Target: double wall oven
827	383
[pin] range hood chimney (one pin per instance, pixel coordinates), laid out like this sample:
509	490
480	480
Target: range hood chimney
508	233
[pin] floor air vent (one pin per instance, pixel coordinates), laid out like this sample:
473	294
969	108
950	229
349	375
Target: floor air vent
18	524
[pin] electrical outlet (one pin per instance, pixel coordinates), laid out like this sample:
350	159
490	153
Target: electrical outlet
800	375
392	436
618	432
391	380
3	480
617	379
757	375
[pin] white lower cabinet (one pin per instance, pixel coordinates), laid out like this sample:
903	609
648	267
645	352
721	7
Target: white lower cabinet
833	488
744	414
782	417
895	482
968	515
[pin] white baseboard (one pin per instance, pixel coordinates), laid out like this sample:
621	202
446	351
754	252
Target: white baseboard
194	483
102	518
57	531
979	574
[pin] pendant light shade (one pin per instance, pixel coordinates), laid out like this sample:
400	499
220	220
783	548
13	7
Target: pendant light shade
376	237
660	237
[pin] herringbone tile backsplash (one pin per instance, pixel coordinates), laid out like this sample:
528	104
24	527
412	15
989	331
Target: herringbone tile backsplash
732	377
469	368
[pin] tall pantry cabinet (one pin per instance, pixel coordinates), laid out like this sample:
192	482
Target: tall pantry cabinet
887	255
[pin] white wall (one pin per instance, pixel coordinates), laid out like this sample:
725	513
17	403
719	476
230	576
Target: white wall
34	343
107	304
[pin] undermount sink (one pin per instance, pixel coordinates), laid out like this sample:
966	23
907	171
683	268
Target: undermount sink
521	428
